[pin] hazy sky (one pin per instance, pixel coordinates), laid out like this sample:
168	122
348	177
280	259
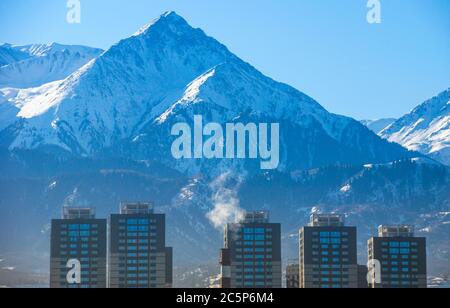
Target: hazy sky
324	48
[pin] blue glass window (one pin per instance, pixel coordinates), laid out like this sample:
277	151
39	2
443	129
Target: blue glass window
404	251
335	234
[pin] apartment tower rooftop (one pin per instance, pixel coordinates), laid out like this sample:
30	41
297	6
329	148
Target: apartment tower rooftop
327	220
396	231
136	208
78	213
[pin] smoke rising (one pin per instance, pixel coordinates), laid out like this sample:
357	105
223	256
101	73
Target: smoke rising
225	200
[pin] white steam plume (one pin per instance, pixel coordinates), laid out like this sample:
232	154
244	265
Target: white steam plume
226	202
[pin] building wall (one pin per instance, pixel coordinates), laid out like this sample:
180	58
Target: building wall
83	240
138	257
328	257
402	259
252	258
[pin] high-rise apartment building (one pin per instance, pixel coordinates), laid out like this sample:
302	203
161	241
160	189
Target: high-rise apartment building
78	250
138	256
397	259
328	253
252	254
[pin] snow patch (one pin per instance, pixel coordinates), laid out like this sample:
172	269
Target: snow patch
346	188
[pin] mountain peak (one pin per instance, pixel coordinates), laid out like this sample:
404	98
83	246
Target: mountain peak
169	18
171	68
170	14
426	128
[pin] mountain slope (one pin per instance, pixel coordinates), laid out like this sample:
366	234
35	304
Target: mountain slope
236	92
35	65
425	129
8	54
125	102
34	186
378	125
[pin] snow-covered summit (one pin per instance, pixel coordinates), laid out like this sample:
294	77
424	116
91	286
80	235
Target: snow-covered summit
168	71
425	129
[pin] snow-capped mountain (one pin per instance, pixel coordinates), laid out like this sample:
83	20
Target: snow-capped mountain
378	125
8	54
125	102
112	119
426	129
34	65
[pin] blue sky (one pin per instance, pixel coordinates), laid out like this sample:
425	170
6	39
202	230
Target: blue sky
324	48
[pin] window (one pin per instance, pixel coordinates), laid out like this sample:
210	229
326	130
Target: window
335	234
132	221
132	228
335	240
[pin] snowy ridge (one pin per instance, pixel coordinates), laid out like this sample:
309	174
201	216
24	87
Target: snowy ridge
125	100
10	55
43	63
426	129
378	125
236	86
